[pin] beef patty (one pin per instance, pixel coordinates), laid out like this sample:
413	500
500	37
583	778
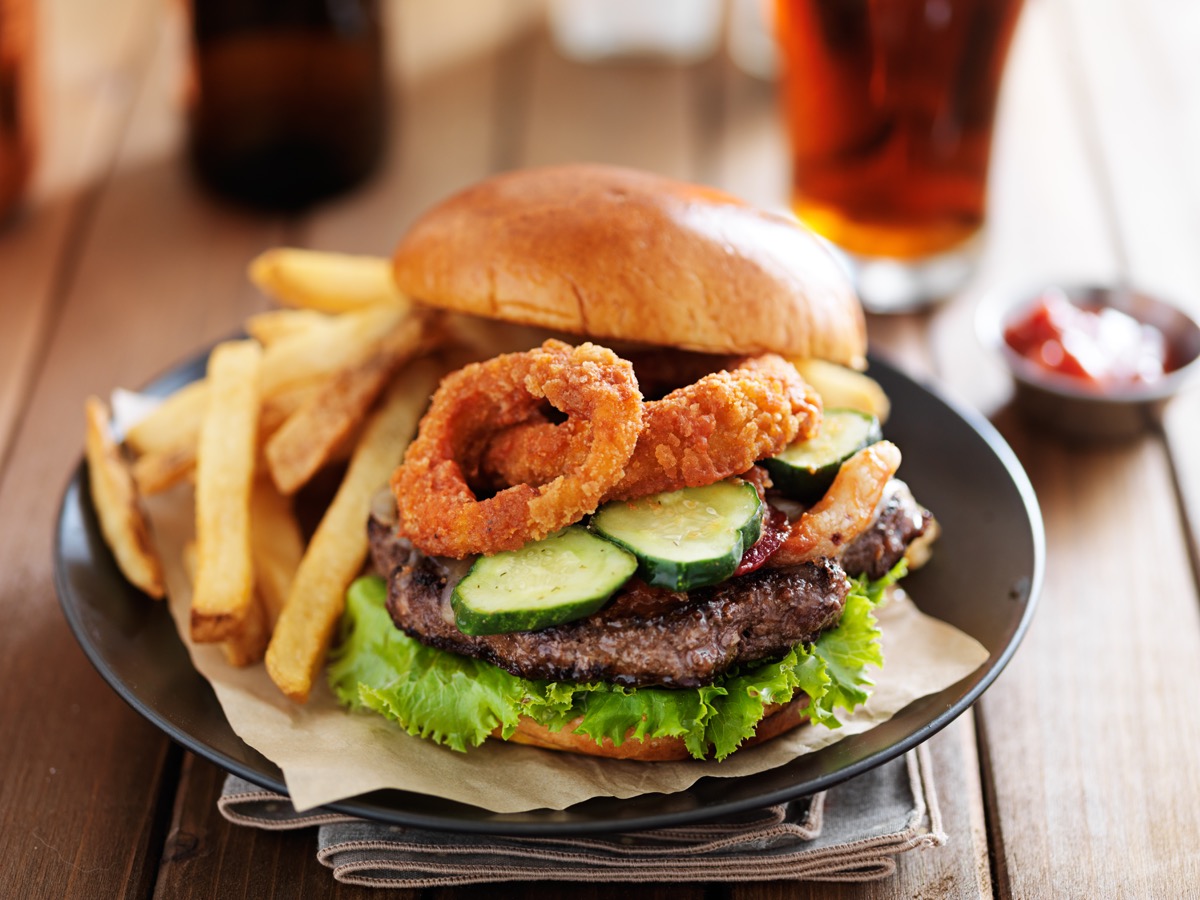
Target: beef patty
649	636
687	640
899	522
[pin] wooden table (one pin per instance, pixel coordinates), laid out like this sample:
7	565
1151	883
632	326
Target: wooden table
1077	774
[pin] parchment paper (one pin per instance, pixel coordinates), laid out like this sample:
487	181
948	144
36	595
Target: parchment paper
327	753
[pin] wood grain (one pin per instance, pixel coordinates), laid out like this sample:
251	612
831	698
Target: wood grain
648	118
206	856
443	138
85	778
79	126
1086	774
1097	794
80	766
1089	801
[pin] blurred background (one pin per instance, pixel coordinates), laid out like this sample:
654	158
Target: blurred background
1096	126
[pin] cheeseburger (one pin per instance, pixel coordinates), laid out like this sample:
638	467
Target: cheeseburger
658	535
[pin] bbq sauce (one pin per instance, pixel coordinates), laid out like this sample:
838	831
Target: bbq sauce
288	100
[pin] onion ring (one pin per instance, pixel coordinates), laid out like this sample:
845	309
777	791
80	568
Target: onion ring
438	511
712	429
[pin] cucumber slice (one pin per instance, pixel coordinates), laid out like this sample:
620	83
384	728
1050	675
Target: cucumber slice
805	470
564	577
687	538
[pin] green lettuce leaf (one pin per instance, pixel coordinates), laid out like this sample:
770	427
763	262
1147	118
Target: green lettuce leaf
459	702
454	700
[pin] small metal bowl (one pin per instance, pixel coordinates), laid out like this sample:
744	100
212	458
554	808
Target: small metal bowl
1075	408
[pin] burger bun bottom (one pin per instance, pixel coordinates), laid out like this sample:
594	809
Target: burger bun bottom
779	719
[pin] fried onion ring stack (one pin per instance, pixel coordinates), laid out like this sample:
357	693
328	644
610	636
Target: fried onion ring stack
439	512
716	427
488	426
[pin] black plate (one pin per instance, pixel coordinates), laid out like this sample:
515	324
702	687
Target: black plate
984	578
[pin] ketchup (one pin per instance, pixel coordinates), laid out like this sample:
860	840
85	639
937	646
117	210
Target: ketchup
1099	346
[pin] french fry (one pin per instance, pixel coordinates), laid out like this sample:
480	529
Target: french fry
275	325
162	470
292	364
174	422
249	643
225	456
278	409
322	352
276	546
338	548
326	282
116	502
311	437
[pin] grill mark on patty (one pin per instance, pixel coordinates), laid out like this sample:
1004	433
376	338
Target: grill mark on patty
687	644
649	636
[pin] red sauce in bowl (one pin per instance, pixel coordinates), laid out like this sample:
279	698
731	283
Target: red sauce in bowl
1099	346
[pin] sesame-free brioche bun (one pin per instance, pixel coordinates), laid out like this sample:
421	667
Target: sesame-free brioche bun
624	255
779	718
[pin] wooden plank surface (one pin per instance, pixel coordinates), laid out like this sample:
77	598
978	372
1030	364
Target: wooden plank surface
86	80
562	121
1097	794
80	766
451	110
1086	774
82	803
1090	796
205	856
1147	124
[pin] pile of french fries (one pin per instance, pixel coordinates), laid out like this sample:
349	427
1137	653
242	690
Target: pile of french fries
340	374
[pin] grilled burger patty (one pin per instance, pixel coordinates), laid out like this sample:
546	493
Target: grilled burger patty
685	644
900	521
649	636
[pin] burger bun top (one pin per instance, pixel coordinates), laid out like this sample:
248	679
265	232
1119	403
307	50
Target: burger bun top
624	255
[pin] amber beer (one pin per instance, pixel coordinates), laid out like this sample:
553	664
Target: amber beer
287	104
889	105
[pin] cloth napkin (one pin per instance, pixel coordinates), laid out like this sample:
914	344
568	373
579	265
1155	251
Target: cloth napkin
852	832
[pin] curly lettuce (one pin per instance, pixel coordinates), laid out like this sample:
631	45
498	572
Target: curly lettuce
460	702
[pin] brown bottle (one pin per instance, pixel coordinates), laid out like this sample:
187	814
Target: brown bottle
16	102
288	102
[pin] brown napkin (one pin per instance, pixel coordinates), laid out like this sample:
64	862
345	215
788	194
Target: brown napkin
851	832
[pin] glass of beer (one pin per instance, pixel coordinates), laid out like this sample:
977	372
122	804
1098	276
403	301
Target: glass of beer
889	106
